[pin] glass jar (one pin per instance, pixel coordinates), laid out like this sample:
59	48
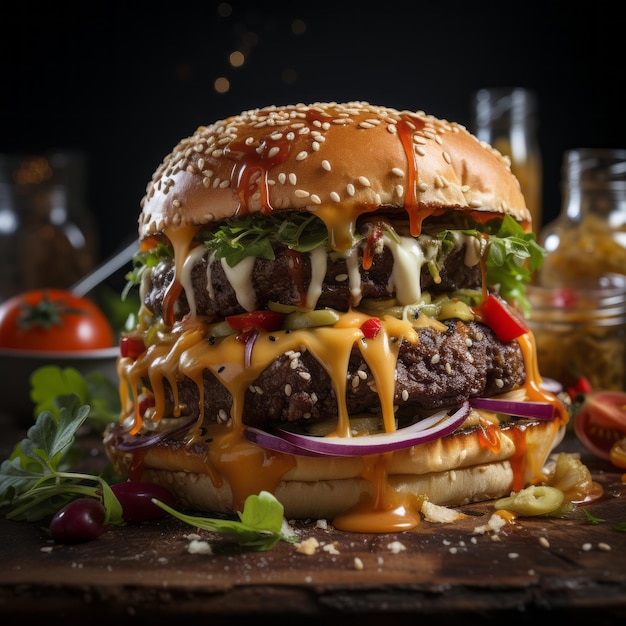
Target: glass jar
581	331
506	118
47	236
588	239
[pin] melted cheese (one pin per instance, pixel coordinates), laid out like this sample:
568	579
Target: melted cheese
247	467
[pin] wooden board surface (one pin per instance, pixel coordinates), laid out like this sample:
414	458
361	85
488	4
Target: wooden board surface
535	566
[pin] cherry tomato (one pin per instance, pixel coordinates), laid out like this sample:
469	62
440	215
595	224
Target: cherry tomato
136	500
80	520
600	423
503	319
53	319
260	320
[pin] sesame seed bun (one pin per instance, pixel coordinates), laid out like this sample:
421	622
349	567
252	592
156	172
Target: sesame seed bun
353	158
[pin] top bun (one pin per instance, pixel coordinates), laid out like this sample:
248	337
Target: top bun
327	157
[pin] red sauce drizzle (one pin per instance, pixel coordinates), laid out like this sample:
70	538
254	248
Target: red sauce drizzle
254	159
295	270
518	460
407	125
172	293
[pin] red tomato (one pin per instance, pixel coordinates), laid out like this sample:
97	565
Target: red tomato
132	346
371	327
600	423
53	320
260	320
503	319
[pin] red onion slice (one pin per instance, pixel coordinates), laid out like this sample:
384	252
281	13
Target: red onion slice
274	442
127	443
533	410
437	426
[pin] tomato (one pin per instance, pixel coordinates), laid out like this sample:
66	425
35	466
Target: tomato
259	320
503	319
132	346
53	320
371	327
600	423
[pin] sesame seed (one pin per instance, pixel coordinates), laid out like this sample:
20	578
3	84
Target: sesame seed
435	358
304	375
316	199
358	564
543	542
273	151
301	193
355	382
341	278
364	181
397	171
605	547
405	395
326	165
282	178
448	368
350	189
287	389
293	179
423	187
499	383
302	155
334	196
475	204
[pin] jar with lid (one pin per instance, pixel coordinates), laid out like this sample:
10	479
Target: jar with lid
47	236
588	238
506	118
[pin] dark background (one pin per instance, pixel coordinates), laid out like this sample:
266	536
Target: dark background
123	82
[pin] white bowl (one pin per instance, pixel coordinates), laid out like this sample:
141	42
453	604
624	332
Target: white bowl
16	367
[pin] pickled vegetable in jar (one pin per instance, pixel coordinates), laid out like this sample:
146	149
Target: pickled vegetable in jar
581	331
588	238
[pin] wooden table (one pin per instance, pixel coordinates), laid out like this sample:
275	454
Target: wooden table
537	567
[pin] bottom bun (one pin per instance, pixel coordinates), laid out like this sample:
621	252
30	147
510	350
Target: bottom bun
331	498
464	467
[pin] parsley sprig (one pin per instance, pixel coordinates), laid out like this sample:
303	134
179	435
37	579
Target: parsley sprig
39	477
34	480
261	524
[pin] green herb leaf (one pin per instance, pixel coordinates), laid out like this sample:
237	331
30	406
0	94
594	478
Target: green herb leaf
32	482
50	384
591	519
259	527
256	235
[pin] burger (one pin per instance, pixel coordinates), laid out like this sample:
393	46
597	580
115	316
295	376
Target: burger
332	303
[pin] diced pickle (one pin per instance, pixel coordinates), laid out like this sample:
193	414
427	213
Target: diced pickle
311	319
455	308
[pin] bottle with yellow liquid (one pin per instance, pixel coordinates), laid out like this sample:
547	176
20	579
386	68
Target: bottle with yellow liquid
506	118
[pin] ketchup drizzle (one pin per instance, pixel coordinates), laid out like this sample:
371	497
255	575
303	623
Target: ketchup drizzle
407	125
